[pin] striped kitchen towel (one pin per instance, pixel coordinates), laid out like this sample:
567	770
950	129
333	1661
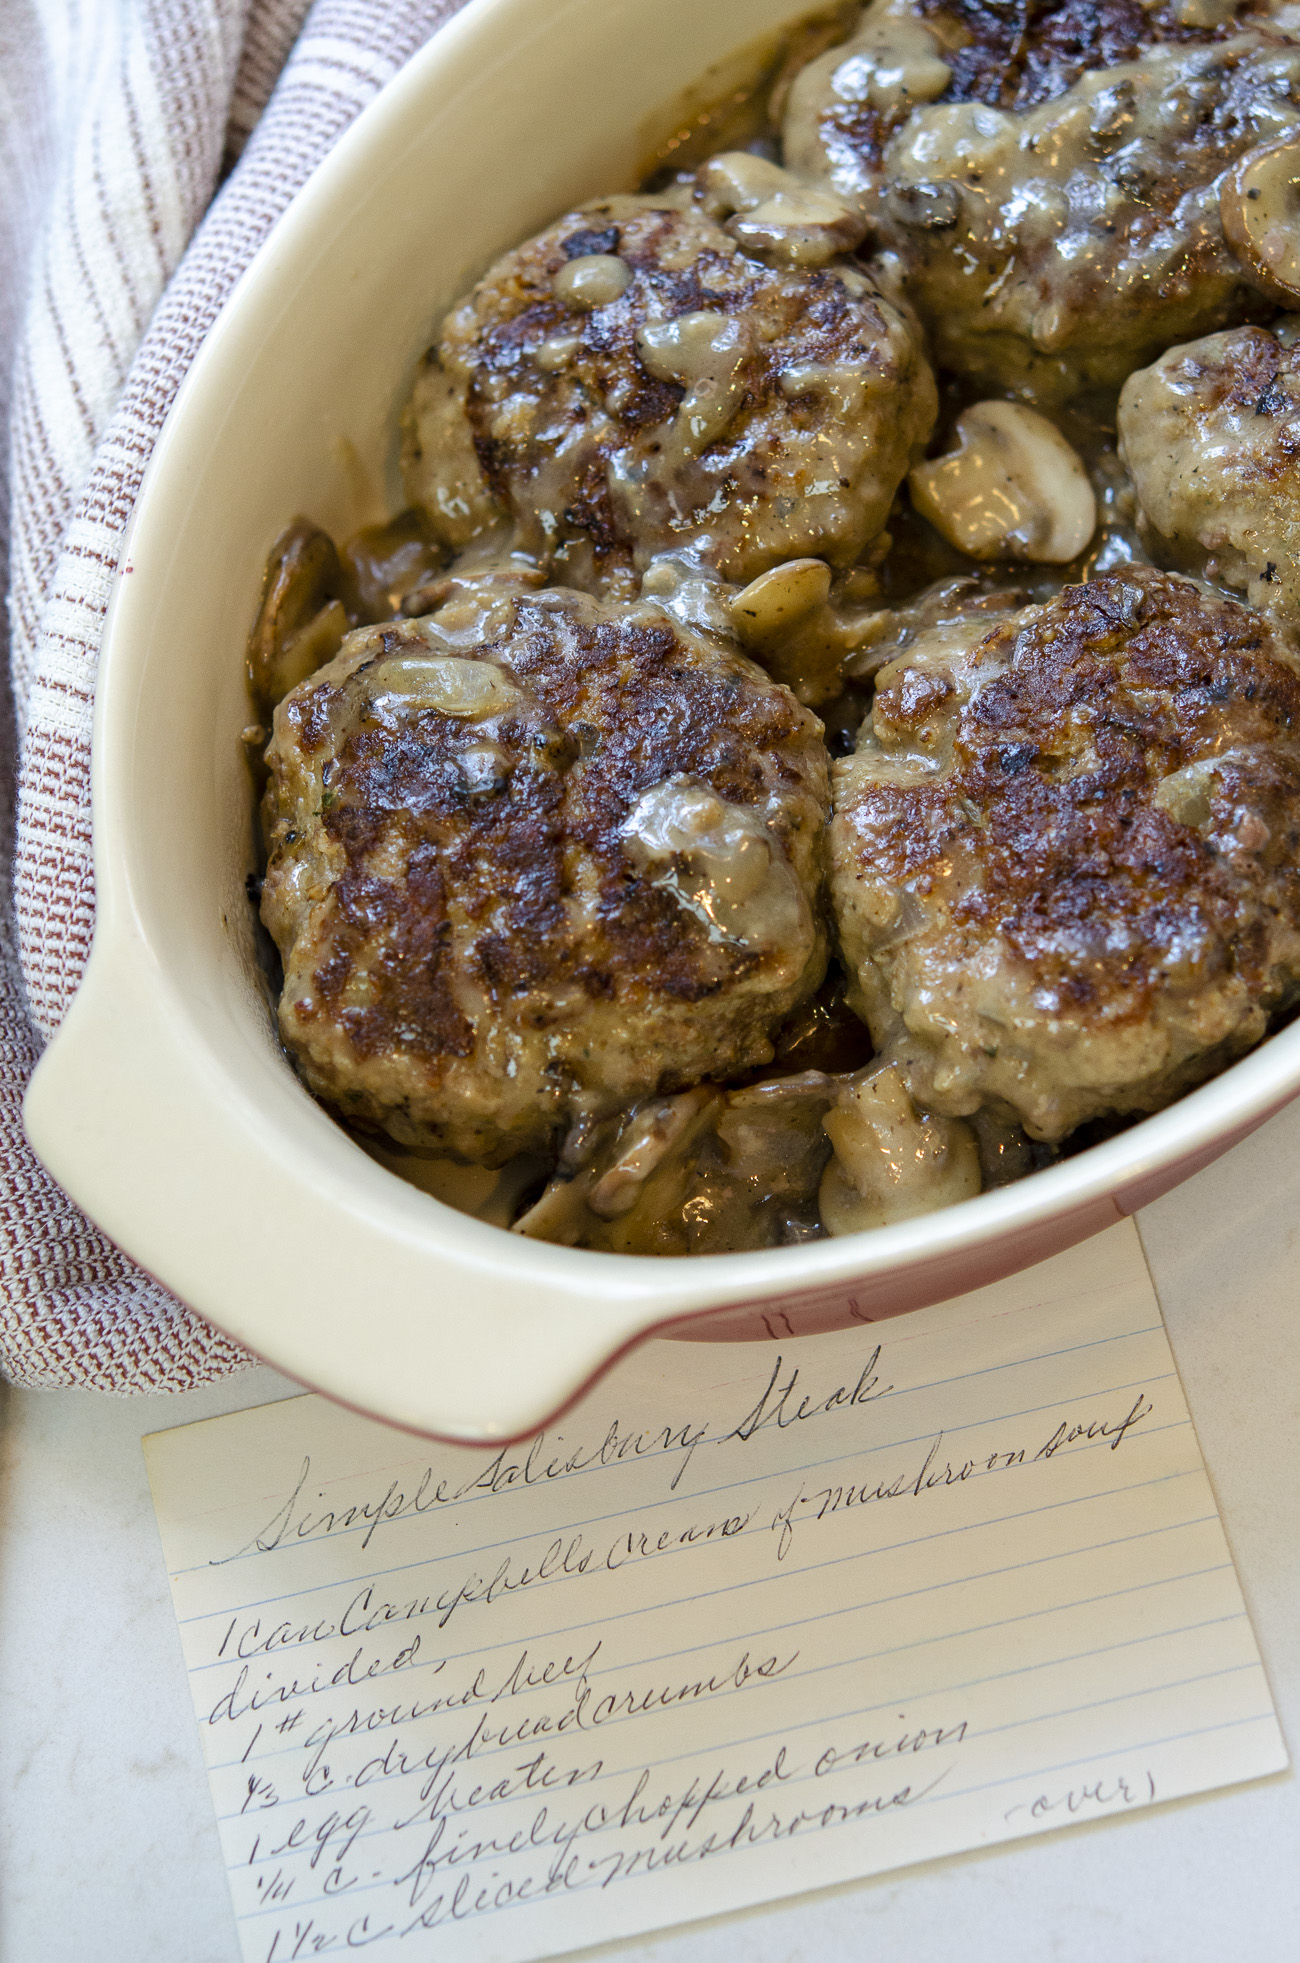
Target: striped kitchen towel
146	148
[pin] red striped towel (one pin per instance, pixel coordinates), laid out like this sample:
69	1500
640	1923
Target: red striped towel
118	122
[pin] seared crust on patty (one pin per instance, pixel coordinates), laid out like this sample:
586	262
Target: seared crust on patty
1018	56
532	858
1054	215
1034	50
1064	856
750	412
1211	435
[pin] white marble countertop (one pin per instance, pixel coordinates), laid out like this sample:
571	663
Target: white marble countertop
110	1848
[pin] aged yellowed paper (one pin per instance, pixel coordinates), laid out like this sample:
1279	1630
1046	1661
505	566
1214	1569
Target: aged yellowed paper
749	1620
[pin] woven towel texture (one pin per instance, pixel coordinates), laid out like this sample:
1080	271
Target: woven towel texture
118	119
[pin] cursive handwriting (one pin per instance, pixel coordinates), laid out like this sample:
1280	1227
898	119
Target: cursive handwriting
571	1837
1092	1796
776	1407
298	1518
572	1870
935	1473
1117	1430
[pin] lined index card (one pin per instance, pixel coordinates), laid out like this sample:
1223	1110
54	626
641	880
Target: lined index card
749	1620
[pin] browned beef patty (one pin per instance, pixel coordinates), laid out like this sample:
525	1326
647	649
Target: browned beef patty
1066	854
533	857
747	412
1045	180
1211	434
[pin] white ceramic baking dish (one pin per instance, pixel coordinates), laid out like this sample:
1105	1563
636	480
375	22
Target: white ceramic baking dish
165	1104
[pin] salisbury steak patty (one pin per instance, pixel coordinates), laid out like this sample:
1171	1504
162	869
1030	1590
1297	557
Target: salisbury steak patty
1211	433
1064	856
533	857
632	381
1047	177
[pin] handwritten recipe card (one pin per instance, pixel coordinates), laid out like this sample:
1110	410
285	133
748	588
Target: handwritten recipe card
751	1619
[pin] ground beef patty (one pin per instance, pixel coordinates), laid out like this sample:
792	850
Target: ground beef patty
1064	855
632	382
534	857
1211	435
1046	179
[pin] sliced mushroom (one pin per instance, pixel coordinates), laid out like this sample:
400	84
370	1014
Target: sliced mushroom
309	649
301	621
691	592
633	1180
701	1173
804	626
440	466
1013	488
774	215
766	609
1259	205
891	1160
383	563
651	1135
